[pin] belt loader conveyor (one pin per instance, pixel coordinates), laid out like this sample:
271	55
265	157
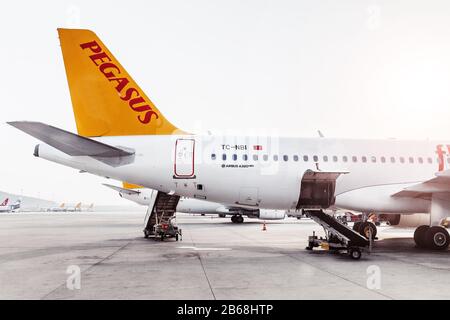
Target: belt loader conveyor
339	237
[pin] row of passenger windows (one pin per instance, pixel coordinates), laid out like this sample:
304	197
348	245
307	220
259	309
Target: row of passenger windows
364	159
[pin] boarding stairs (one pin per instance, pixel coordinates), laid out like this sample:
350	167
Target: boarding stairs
162	211
339	236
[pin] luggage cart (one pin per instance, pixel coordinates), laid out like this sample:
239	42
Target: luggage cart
167	229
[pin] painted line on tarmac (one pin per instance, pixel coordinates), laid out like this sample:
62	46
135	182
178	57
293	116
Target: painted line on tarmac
205	249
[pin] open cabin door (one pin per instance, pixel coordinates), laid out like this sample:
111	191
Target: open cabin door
184	167
317	189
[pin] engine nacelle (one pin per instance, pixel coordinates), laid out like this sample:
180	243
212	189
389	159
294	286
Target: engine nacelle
406	220
271	214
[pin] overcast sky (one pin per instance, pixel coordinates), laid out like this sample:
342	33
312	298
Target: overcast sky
372	69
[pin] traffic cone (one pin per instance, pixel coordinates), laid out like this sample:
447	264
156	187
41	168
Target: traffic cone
264	226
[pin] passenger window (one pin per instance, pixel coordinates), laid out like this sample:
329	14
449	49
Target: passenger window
325	158
234	157
285	158
305	158
355	159
316	158
265	157
392	159
213	156
373	159
411	160
224	157
383	159
335	158
275	157
430	160
420	160
402	160
364	159
295	158
244	157
345	158
255	157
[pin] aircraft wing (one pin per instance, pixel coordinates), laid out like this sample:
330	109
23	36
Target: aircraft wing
424	190
73	144
122	190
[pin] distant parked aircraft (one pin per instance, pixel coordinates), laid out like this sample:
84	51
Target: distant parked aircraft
5	207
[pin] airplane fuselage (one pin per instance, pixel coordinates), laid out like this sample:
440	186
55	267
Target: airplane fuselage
267	172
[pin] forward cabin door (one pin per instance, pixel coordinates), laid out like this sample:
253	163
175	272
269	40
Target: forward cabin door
184	167
317	189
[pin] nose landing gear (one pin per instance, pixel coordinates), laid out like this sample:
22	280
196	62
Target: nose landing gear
436	237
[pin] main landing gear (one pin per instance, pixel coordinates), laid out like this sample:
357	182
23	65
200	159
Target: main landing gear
366	228
436	237
237	218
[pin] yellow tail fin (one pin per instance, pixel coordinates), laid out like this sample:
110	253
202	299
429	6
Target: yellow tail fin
106	100
127	185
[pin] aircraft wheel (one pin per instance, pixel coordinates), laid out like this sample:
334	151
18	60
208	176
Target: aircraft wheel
240	219
233	219
437	238
366	227
354	253
146	234
419	236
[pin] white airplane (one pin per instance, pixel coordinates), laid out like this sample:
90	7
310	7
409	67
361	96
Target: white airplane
65	208
60	208
88	208
5	207
74	208
122	135
196	206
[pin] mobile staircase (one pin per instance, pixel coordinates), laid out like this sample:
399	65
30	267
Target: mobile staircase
339	237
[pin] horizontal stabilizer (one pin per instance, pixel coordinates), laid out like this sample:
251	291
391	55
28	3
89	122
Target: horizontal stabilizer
73	144
121	190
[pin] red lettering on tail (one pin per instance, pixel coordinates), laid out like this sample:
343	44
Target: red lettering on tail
110	71
93	45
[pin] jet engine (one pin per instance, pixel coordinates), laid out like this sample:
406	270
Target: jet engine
271	214
406	220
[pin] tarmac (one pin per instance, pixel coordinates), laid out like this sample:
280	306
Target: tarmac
92	255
